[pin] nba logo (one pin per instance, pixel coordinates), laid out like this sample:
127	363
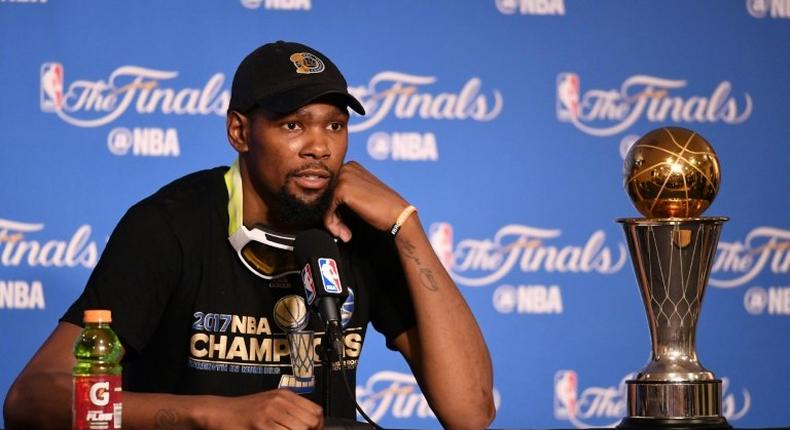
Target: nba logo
307	281
51	87
566	386
441	237
568	89
330	276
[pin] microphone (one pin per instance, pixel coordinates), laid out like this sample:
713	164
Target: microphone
317	253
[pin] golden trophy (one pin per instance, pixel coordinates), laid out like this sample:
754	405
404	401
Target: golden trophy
291	315
672	175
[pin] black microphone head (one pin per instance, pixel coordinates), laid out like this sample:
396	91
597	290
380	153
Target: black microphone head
319	257
314	243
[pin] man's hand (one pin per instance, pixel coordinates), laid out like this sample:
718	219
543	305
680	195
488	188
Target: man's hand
275	409
374	202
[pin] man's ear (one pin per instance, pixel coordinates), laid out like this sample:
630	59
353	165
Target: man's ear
237	126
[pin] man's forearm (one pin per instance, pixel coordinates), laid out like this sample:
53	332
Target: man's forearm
44	401
450	352
148	411
39	401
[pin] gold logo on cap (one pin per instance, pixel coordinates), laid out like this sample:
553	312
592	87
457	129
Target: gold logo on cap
307	63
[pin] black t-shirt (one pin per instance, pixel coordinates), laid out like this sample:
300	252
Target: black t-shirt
194	320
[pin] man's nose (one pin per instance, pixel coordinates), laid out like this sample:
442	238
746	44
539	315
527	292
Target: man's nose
317	145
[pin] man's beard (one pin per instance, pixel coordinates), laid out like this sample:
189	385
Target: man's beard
288	210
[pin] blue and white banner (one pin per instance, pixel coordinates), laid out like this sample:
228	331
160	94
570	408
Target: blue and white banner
504	121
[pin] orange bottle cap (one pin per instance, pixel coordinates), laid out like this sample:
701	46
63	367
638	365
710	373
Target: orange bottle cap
97	316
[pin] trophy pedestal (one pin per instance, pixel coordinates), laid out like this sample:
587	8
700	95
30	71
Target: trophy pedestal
674	405
712	423
672	259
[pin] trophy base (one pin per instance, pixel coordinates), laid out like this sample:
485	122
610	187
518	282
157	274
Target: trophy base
691	400
706	423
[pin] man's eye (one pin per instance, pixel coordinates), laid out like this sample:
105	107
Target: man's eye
336	126
291	126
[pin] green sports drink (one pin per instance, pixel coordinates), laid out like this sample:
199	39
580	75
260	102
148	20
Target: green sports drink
97	375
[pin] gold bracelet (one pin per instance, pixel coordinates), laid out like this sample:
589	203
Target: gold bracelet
404	215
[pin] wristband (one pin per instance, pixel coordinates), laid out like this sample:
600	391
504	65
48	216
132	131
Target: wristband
404	215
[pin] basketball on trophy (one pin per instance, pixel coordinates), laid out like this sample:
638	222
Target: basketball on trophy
671	172
290	313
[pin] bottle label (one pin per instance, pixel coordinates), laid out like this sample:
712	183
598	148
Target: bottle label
97	402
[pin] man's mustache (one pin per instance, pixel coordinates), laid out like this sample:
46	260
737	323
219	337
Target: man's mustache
313	167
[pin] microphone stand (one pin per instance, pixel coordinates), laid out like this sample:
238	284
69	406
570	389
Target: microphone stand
333	353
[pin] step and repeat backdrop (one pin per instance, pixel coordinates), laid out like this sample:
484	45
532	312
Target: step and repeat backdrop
504	121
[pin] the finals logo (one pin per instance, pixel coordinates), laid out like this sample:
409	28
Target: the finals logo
85	103
607	112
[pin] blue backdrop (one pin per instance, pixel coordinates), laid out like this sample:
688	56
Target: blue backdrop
501	120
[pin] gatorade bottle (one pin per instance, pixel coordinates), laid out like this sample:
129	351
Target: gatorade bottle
97	374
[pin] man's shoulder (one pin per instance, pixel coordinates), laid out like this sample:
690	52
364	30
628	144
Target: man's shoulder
191	194
194	183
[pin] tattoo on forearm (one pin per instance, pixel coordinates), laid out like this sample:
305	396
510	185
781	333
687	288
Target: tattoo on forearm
167	419
409	247
426	275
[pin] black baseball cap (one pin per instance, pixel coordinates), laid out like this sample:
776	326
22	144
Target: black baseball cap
284	76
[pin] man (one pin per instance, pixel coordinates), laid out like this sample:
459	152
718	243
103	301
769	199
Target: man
193	305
